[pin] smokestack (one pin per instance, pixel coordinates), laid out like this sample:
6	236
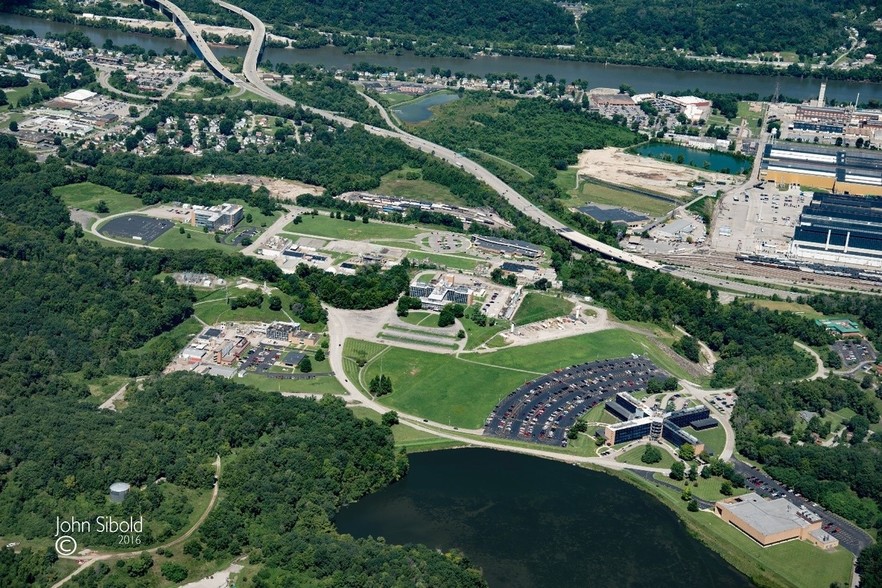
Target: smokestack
821	94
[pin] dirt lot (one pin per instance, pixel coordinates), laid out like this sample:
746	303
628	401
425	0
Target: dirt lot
281	189
615	166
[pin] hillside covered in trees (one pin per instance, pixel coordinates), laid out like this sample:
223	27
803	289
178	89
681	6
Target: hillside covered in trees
74	311
731	27
529	21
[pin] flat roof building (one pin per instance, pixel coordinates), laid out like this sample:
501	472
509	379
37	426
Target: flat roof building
841	229
639	421
222	216
773	521
614	214
436	294
510	246
852	171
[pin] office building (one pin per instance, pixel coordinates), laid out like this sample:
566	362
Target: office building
639	420
436	294
774	521
216	218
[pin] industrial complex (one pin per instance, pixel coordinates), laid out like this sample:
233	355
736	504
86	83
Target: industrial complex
850	171
837	228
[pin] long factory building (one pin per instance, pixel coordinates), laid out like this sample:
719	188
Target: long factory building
851	171
841	229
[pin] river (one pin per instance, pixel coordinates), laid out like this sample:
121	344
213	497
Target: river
531	523
642	79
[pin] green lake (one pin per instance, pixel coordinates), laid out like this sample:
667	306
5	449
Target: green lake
418	110
530	523
716	161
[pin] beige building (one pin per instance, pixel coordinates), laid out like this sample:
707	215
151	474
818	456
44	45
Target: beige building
774	521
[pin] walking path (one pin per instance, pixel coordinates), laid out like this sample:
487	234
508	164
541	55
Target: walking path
93	557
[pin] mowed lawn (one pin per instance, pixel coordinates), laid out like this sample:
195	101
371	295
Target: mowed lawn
632	456
538	307
463	390
714	439
86	195
396	183
332	228
794	564
407	437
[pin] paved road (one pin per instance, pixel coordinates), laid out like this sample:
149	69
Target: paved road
850	536
820	370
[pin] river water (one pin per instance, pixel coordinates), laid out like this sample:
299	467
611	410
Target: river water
531	523
642	79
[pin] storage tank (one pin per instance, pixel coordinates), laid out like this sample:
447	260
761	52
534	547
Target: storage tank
118	491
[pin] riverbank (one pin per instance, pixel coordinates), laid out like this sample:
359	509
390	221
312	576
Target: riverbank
795	564
645	77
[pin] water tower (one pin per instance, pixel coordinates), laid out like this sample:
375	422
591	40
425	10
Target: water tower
118	491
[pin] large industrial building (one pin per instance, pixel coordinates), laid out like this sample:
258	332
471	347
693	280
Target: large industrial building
774	521
639	421
848	171
840	229
436	294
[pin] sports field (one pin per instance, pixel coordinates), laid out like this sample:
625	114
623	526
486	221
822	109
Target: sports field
87	195
538	307
332	228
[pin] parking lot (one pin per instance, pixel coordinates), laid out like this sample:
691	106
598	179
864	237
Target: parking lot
850	536
855	351
543	410
137	227
249	233
759	220
724	402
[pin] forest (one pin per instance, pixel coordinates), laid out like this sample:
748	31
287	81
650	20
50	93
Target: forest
529	21
73	309
845	478
731	28
755	345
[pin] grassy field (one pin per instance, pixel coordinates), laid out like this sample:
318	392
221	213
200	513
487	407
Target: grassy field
599	414
13	95
418	317
408	183
708	489
632	456
714	439
403	337
332	228
218	310
448	261
86	195
601	194
794	564
174	239
784	306
412	440
422	386
476	334
319	385
538	307
744	112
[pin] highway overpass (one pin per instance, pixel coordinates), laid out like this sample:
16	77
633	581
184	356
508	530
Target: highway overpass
188	27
